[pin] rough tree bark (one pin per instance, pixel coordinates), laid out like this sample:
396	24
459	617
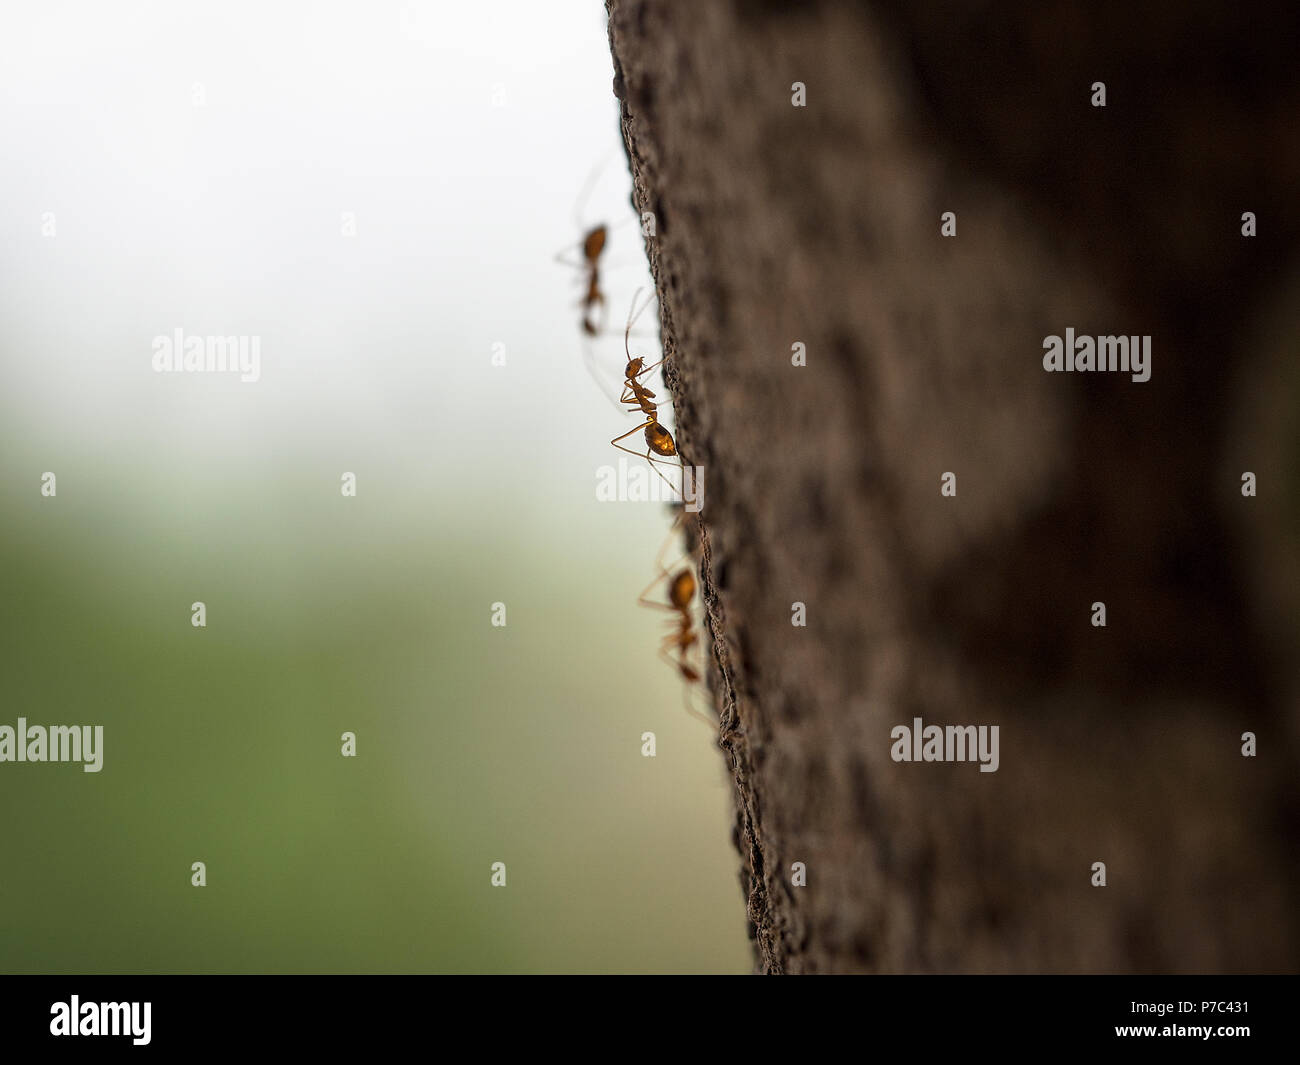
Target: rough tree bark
820	224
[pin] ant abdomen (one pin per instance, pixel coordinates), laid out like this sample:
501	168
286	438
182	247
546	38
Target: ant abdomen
682	589
659	439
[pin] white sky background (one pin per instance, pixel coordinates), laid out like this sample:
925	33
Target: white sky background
475	483
225	219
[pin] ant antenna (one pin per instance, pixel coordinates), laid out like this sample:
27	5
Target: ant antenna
581	202
633	313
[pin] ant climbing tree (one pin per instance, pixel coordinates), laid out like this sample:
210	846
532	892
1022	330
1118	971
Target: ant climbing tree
637	397
590	249
587	257
683	641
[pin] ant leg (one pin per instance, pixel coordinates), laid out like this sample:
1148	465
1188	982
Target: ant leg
686	700
654	463
584	194
632	401
627	434
660	564
657	578
687	688
649	455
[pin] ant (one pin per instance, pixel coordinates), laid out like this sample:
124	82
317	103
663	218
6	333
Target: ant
592	246
659	441
681	594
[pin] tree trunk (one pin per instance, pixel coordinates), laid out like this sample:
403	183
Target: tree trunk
820	225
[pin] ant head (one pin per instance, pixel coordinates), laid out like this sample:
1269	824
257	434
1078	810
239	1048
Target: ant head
634	367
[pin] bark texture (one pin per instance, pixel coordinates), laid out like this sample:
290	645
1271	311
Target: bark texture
778	224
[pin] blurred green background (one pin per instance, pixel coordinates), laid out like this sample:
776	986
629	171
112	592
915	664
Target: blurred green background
325	614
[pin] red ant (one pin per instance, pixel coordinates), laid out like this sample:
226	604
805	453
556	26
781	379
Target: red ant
592	246
659	441
681	594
